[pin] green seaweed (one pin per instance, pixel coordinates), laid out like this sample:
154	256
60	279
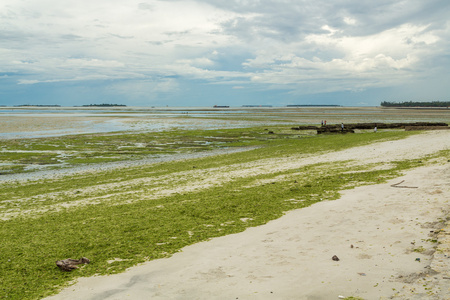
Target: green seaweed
113	214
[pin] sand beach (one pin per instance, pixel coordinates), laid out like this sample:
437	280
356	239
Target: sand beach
390	241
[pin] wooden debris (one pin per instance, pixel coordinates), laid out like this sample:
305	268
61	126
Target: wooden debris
350	127
70	264
334	129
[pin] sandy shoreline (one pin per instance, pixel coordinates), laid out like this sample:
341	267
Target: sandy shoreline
390	229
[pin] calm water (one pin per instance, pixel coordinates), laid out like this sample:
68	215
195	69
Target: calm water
82	121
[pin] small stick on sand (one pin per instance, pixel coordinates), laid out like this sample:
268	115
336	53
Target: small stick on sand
396	185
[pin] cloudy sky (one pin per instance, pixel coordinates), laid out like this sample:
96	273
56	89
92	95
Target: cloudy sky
234	52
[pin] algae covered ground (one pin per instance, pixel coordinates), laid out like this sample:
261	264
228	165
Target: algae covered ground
27	155
121	217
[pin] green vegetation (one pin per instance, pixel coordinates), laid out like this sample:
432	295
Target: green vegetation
419	249
23	155
416	104
142	213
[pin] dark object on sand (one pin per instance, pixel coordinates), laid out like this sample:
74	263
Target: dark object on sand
335	258
350	127
71	264
397	185
334	129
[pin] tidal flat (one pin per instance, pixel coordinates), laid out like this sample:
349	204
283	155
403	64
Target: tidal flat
132	213
29	122
35	139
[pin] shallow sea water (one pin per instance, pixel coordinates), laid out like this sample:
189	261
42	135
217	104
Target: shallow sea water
48	122
15	123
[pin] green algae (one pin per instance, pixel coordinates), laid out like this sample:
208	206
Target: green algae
56	219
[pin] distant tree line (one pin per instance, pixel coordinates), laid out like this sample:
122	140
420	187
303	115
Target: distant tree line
416	104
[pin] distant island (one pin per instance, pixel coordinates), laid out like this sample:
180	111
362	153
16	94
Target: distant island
221	106
313	105
416	104
103	105
256	105
37	105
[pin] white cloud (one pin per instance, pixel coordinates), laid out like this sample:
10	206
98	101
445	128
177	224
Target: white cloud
142	91
387	58
94	63
109	34
321	46
197	62
25	81
330	29
349	21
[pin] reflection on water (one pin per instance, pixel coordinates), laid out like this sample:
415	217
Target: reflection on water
108	124
80	128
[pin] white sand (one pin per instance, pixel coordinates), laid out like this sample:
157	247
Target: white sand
290	258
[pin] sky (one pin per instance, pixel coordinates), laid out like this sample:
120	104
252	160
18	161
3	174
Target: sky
234	52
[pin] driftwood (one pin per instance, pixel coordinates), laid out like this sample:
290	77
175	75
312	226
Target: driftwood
397	185
410	126
334	129
309	127
71	264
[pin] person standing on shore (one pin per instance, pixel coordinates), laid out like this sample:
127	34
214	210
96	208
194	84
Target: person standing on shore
342	126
